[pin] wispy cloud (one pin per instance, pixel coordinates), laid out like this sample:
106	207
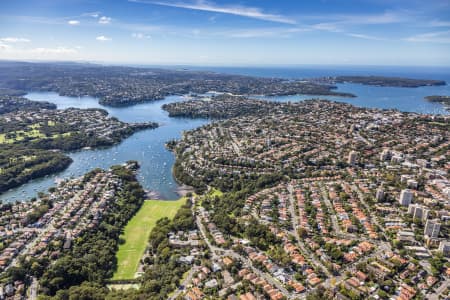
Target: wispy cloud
341	23
431	37
41	52
331	27
365	36
140	36
104	20
263	32
438	23
4	46
375	19
386	17
14	40
103	38
73	22
57	50
345	24
237	10
94	14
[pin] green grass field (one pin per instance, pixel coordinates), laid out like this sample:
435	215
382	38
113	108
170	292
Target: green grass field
137	232
213	192
20	135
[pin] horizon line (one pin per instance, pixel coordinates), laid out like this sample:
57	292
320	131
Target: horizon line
250	65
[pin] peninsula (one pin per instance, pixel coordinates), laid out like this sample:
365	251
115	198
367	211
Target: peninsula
444	100
13	103
31	139
386	81
120	86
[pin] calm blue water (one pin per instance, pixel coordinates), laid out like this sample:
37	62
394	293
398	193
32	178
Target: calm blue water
314	71
404	99
148	148
145	146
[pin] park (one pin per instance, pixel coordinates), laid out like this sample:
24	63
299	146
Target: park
137	232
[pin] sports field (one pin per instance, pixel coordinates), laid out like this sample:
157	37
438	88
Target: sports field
137	232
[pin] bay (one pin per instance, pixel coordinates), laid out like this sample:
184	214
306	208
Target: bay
148	146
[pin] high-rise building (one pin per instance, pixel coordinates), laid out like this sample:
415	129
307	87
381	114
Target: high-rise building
352	157
380	194
412	184
385	155
432	228
444	247
405	197
418	211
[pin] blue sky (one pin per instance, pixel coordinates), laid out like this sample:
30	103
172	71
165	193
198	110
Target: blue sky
200	32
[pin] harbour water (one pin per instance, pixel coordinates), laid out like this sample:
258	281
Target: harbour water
148	146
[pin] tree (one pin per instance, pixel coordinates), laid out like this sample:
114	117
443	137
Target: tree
302	232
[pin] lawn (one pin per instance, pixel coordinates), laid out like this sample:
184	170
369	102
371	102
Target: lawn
137	232
215	192
20	135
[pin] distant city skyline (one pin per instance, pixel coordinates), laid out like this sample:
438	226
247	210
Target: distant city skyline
228	33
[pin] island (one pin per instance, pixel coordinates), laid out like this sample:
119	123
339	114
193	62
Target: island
384	81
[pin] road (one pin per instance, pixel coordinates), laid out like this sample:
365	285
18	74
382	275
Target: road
50	226
235	146
373	217
334	221
225	252
184	283
441	289
294	218
260	273
203	232
384	246
364	139
33	289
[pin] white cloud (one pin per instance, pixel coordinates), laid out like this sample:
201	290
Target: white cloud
365	36
237	10
431	37
73	22
376	19
104	20
388	17
331	27
264	32
57	50
14	40
140	36
103	38
94	14
133	27
4	46
437	23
